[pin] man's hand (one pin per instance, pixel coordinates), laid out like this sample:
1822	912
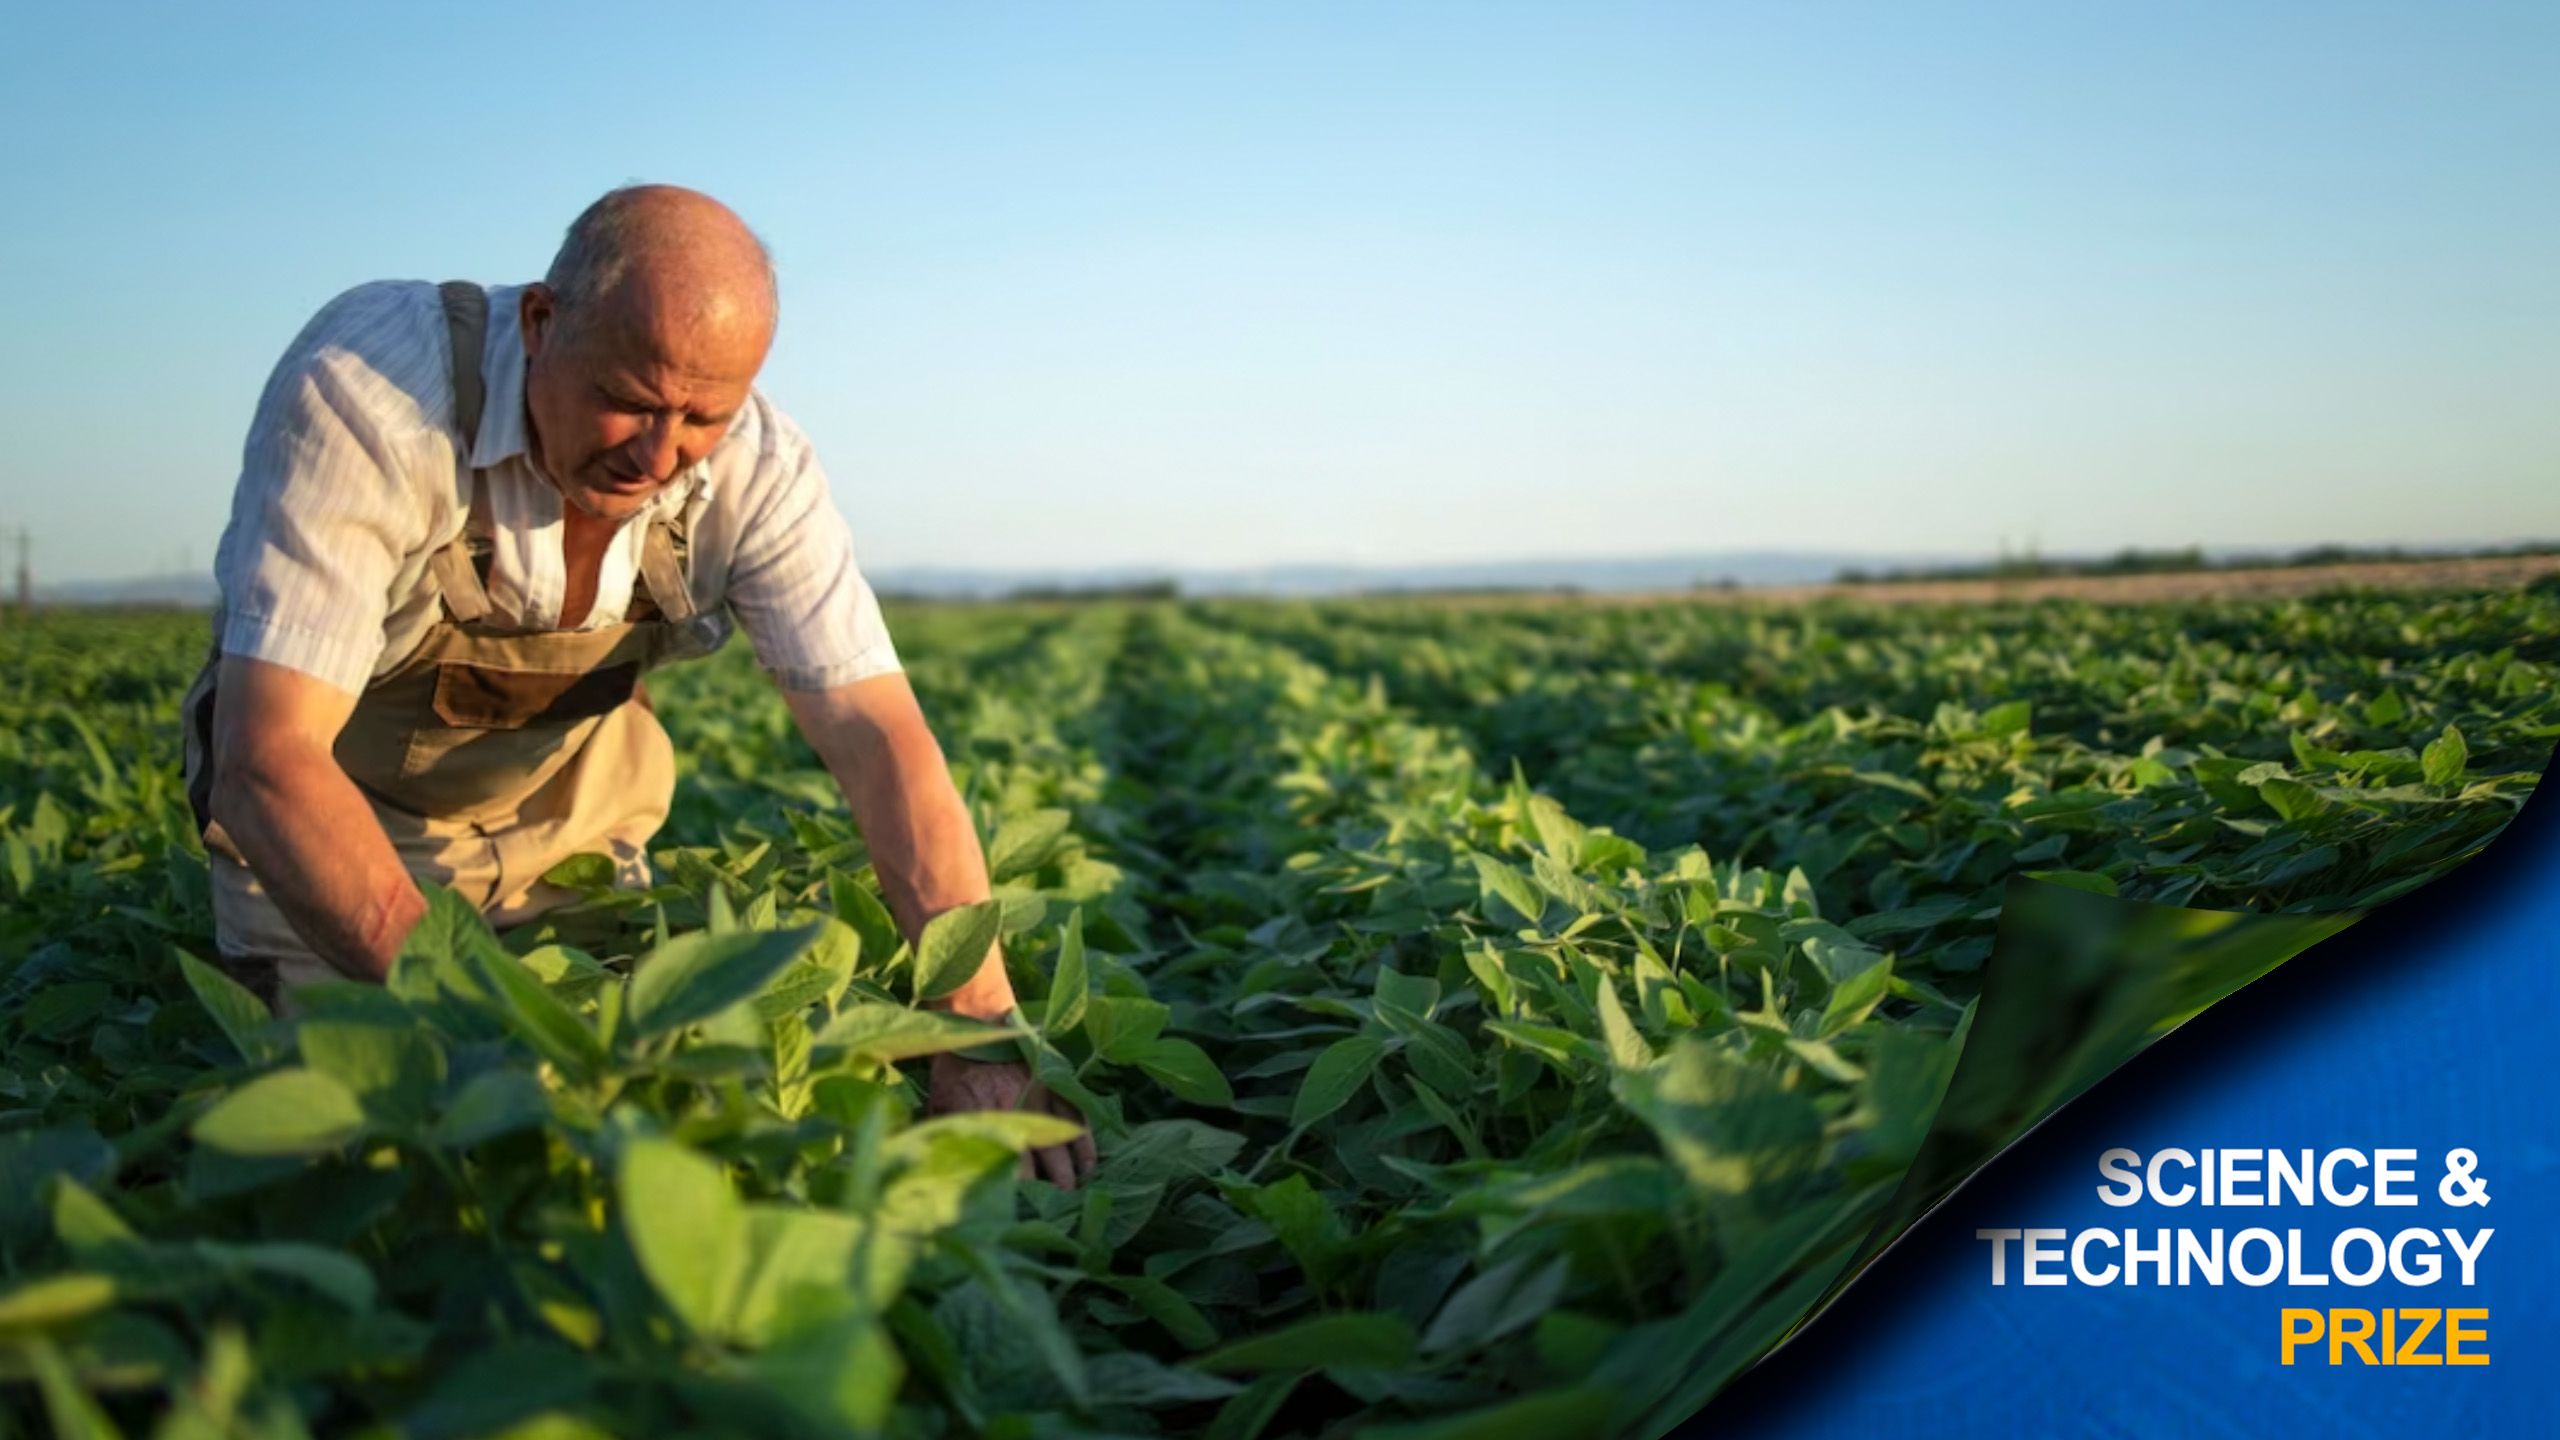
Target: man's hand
956	1086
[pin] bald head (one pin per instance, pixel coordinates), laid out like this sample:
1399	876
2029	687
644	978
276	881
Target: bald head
677	254
642	343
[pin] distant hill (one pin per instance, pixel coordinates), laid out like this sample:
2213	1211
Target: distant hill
1746	568
1669	572
192	592
1661	572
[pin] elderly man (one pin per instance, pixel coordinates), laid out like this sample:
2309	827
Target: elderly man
467	521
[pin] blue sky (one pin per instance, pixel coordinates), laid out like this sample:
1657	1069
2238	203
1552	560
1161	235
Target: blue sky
1229	285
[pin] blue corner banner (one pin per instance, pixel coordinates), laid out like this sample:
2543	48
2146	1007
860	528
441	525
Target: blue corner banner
2328	1204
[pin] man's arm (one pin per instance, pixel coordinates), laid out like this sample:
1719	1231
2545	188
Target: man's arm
817	626
874	740
347	472
302	825
872	737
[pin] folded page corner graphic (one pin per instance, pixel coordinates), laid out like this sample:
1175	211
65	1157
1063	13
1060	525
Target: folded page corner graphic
2080	981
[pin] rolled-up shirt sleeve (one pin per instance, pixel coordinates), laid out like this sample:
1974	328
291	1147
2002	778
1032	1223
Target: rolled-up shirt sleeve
324	512
813	619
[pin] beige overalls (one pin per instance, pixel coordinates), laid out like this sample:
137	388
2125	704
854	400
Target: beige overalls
489	754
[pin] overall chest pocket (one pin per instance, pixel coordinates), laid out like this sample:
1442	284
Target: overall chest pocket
483	697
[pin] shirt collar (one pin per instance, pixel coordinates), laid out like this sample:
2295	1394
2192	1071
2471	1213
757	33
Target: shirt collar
502	434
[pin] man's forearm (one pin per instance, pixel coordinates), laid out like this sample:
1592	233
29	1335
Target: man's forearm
316	847
924	847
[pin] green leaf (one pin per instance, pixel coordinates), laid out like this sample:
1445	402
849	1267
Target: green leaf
796	1262
1853	999
241	1015
1167	1307
557	965
493	1103
1016	1130
1441	1058
394	1070
1351	1338
333	1273
1247	1415
1067	986
1616	1187
843	1374
289	1112
1627	1049
1336	1076
1450	1120
2009	719
69	1408
1828	1062
1120	1026
1485	964
696	976
1798	894
55	1300
686	1227
1127	1377
1024	843
2098	884
587	873
1559	834
1729	1124
436	957
1415	995
84	1223
513	1390
1163	1150
1510	1296
2446	757
1836	952
537	1017
1580	1413
1303	1220
1560	1045
835	954
953	947
2290	799
858	907
892	1033
2314	757
1571	1343
1186	1070
1911	918
1498	881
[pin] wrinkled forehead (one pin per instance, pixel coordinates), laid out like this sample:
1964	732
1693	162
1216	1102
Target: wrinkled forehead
714	334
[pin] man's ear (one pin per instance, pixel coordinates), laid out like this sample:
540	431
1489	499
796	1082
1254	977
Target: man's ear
536	309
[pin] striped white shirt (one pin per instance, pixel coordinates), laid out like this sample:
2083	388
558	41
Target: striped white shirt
350	481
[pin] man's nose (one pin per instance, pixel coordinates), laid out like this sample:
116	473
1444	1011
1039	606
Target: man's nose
657	445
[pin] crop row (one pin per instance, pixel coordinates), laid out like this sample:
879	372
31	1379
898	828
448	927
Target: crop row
2171	754
1493	1023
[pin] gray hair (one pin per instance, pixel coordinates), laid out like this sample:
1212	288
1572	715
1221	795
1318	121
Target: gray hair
602	243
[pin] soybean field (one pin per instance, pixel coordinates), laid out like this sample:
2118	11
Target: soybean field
1499	1020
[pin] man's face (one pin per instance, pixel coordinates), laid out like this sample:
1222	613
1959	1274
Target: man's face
623	400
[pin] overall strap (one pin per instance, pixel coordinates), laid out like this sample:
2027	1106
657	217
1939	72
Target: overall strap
466	318
663	572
